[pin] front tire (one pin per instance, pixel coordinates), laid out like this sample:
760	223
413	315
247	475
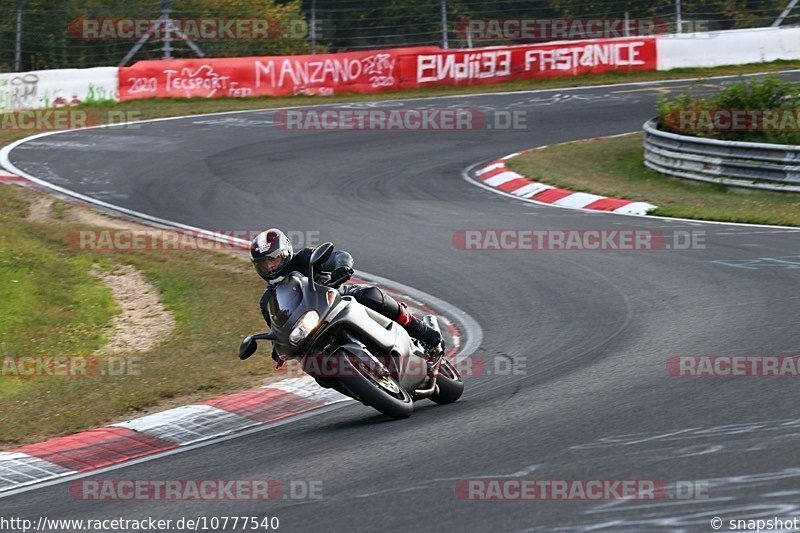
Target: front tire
450	384
380	392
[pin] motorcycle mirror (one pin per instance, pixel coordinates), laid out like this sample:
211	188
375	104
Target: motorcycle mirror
320	254
248	347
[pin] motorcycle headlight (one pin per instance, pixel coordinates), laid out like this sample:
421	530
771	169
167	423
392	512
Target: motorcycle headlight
304	326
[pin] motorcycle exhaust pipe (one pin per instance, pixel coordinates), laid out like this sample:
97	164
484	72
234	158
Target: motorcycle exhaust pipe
427	393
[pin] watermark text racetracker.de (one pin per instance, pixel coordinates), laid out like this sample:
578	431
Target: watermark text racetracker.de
339	367
733	120
127	240
733	366
597	240
558	29
69	366
196	29
65	118
209	490
521	489
426	119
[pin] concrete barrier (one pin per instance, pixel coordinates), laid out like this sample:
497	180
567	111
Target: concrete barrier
732	47
55	88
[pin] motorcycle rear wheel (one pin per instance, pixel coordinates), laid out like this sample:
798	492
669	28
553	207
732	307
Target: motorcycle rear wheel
380	392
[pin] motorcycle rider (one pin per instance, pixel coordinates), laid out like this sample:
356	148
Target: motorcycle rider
273	257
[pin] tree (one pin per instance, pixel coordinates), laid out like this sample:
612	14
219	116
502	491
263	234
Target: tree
54	35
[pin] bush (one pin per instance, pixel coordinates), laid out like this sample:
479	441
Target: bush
757	110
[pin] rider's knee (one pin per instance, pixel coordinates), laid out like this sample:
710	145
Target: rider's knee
375	299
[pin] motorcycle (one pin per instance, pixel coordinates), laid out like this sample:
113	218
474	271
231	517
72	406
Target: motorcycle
351	348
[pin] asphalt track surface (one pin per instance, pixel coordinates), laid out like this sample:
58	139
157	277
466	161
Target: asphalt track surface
593	329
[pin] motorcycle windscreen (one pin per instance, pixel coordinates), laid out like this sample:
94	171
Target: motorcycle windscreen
285	299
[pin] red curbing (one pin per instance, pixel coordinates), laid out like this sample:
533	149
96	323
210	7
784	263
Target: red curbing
497	176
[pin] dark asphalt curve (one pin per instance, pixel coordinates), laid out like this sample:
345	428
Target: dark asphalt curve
591	332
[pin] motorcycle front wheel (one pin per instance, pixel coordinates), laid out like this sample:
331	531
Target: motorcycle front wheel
450	384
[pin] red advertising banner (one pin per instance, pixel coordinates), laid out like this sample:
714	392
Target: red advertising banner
323	74
380	70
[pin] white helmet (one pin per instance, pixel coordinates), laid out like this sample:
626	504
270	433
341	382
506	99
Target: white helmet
271	251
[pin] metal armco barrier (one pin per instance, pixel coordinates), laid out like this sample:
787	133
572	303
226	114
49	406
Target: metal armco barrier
742	164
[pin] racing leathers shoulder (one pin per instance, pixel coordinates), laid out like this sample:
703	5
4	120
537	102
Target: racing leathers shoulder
299	263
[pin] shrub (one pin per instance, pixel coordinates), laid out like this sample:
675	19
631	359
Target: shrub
765	110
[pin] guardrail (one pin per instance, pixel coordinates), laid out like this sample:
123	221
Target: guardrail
741	164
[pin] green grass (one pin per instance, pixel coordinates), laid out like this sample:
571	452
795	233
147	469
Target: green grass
57	308
159	108
615	167
50	303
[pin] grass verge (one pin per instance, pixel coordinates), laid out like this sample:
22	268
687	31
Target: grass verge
149	109
49	295
615	167
50	303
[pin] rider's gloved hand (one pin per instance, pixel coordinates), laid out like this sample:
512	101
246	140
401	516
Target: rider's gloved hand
340	275
279	360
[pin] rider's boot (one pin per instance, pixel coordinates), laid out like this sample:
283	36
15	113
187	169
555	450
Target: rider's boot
418	329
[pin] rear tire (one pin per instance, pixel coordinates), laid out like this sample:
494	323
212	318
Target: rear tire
381	393
450	384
